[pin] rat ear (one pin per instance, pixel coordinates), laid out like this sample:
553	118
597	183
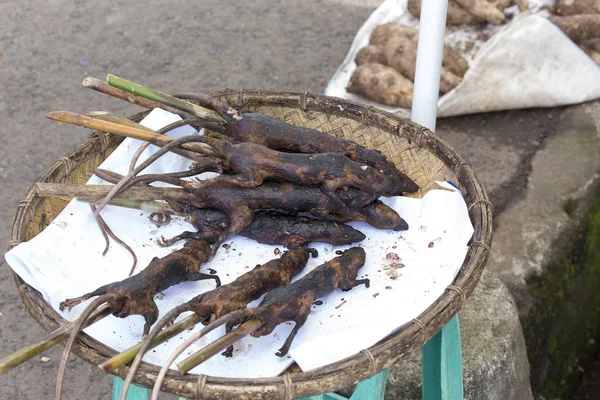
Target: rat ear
154	259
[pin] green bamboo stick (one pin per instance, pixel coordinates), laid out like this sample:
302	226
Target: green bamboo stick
218	345
49	341
105	88
167	333
163	98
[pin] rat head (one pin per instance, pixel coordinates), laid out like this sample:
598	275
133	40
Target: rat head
357	256
206	218
347	234
204	312
199	248
403	183
383	217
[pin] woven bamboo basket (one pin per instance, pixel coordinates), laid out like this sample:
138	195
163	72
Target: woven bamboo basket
415	150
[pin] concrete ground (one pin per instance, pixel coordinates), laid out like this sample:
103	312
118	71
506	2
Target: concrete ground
49	47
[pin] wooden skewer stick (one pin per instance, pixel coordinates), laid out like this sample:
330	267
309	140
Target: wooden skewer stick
127	131
100	191
117	119
218	345
68	191
103	87
164	98
126	356
49	341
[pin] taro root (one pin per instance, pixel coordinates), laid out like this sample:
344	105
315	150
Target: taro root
370	54
576	7
401	54
579	27
594	54
451	60
456	14
382	84
483	10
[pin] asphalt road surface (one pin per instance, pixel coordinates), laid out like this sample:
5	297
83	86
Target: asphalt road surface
48	47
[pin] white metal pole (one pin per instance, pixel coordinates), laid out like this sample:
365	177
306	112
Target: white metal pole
429	62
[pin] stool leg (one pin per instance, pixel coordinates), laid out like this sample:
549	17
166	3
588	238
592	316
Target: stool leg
135	392
369	389
442	364
372	388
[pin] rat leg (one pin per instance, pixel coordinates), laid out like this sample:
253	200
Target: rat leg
209	236
199	276
239	218
243	179
150	317
288	342
229	351
354	283
70	303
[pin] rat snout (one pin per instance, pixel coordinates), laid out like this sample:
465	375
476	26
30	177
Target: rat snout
350	235
383	217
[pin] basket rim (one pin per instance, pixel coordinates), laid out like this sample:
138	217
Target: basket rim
359	366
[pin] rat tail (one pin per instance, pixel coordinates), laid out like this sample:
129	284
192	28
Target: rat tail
231	317
76	329
147	344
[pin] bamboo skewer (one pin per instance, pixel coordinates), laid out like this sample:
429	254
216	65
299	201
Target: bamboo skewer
131	176
103	87
164	98
49	341
206	352
116	119
126	356
128	131
218	345
99	191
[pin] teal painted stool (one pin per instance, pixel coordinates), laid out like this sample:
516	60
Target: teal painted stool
442	373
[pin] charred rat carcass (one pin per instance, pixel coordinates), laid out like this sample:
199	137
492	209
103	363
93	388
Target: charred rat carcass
287	303
268	227
230	297
135	295
280	135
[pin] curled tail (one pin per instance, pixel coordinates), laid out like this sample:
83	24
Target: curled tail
76	329
228	318
70	303
147	344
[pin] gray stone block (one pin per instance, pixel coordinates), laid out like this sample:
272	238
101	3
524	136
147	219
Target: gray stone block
495	365
546	250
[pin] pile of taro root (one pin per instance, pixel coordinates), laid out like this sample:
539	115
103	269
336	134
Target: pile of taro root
580	21
386	67
268	172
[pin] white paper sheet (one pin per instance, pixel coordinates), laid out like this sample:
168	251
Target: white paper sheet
408	272
526	63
